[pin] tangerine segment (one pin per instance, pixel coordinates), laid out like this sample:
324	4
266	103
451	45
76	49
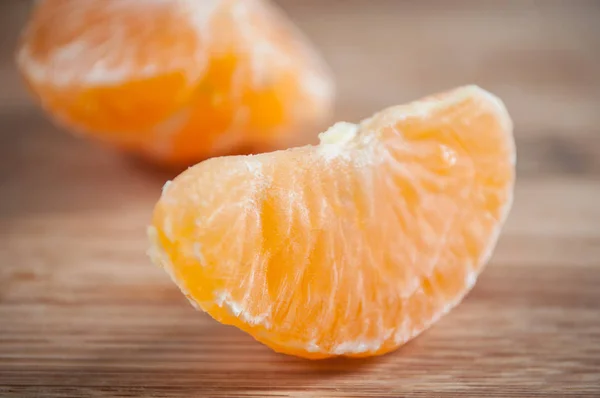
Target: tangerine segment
351	247
174	80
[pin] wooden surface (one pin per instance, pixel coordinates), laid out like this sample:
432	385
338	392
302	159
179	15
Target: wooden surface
84	313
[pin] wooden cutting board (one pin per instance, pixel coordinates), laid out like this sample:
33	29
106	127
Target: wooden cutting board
84	313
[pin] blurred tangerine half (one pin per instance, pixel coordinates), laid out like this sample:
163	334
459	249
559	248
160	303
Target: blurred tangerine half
175	80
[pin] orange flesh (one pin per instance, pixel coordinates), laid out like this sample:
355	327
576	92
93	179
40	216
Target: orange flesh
174	80
351	247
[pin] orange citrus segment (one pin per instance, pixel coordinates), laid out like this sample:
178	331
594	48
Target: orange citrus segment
174	80
351	247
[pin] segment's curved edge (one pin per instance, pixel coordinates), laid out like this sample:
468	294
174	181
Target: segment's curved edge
507	128
159	257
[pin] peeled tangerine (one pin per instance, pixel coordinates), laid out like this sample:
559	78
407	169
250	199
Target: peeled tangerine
351	247
175	80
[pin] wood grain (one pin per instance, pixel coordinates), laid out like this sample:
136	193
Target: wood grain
83	313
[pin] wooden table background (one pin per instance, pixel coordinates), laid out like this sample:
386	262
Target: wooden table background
84	313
